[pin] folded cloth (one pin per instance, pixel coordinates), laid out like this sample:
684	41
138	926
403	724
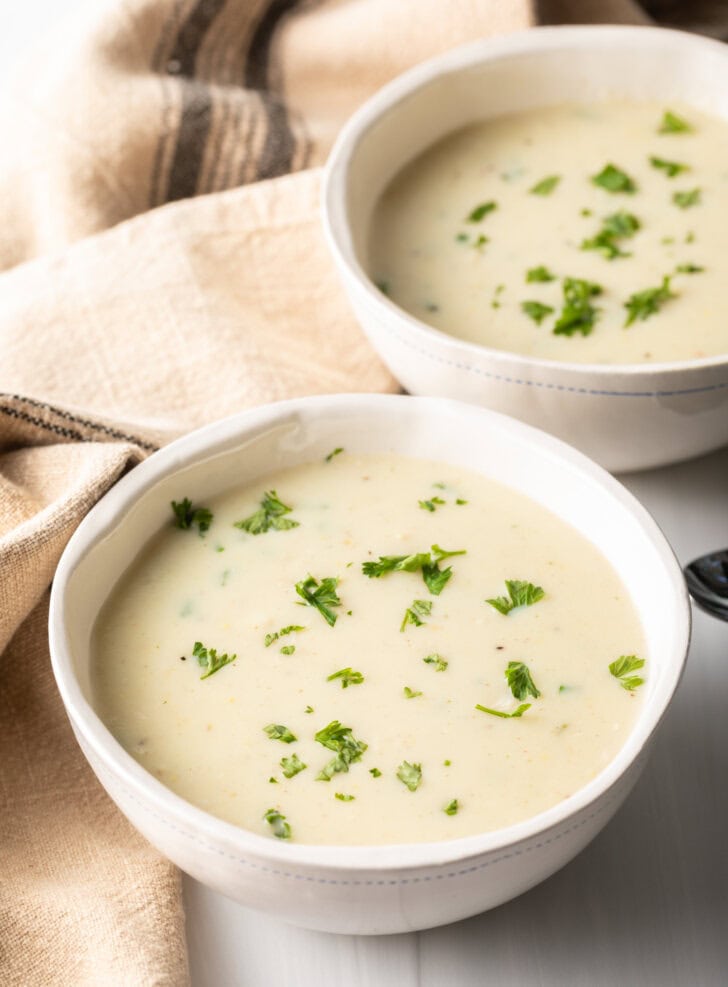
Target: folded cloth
162	266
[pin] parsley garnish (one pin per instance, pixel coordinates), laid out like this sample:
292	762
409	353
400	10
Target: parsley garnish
520	681
270	514
321	595
613	179
622	667
619	226
642	304
344	798
577	314
438	661
410	693
375	772
410	775
505	716
292	765
451	808
414	613
278	824
546	185
671	168
688	269
276	731
288	649
270	638
673	124
334	452
536	311
348	677
185	515
522	594
684	200
434	577
341	740
208	658
481	211
432	504
308	709
539	273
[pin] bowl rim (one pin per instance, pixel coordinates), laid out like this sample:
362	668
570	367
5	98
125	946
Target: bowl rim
224	436
462	58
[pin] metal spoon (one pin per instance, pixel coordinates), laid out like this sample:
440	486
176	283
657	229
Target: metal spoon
707	579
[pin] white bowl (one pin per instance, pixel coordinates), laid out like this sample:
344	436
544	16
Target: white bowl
625	416
362	889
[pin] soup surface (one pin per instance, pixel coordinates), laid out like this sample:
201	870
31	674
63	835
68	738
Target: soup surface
583	233
338	678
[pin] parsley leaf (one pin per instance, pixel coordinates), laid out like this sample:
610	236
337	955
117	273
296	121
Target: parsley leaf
321	595
348	749
673	124
375	772
414	613
451	808
536	311
208	658
288	649
505	716
278	824
334	452
410	775
623	666
344	798
428	562
270	514
577	314
438	661
522	594
348	677
432	504
520	681
618	226
292	765
481	211
613	179
276	731
671	168
684	200
185	515
270	638
689	269
642	304
411	693
539	273
546	186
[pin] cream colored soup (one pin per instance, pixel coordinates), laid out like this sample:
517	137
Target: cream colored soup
467	274
411	690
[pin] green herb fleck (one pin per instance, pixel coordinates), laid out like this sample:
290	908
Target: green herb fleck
459	501
451	808
671	123
462	237
671	168
348	749
375	772
689	269
273	781
292	765
539	273
499	289
505	716
619	226
288	649
519	680
536	311
428	562
410	775
185	516
209	659
414	613
577	314
438	661
347	676
613	179
276	731
481	211
410	693
334	452
383	286
270	514
270	638
522	594
308	709
447	763
278	824
546	186
432	504
642	304
480	241
623	666
684	200
344	798
321	595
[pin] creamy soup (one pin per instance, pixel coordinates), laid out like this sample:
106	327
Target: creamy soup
585	233
369	650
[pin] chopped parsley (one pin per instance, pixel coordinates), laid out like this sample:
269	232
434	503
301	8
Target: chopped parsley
536	311
480	241
642	304
619	226
321	595
546	186
671	168
438	661
410	693
520	682
623	667
499	289
481	211
347	676
613	179
375	772
185	516
428	562
451	808
671	123
505	716
577	314
689	269
288	649
277	731
414	614
347	748
308	709
684	200
539	273
292	765
270	514
278	824
520	594
209	659
334	452
270	638
410	775
432	504
344	798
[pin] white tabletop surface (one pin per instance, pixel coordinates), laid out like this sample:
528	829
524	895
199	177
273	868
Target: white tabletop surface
645	904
